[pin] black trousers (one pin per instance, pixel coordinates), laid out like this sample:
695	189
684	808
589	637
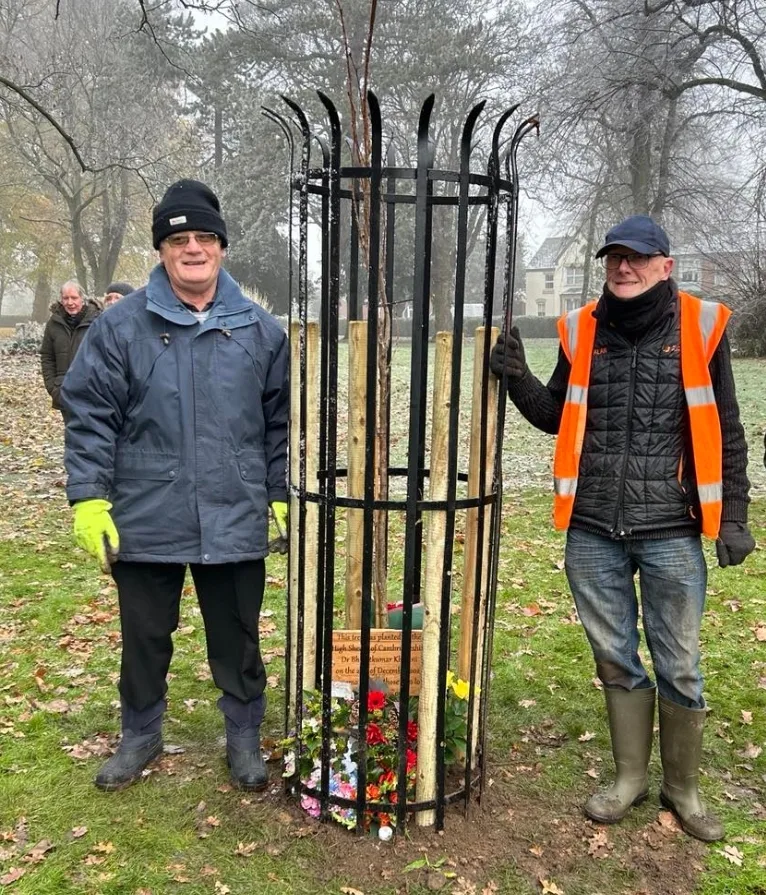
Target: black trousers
230	598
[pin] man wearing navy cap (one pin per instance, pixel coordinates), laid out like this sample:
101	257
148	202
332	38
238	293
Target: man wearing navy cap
650	455
176	446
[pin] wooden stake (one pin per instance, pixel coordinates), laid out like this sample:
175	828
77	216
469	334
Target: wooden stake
357	423
472	522
431	690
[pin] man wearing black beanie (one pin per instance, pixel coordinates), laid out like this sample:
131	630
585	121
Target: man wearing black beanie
176	448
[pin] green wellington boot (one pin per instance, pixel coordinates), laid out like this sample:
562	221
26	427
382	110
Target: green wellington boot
631	721
681	750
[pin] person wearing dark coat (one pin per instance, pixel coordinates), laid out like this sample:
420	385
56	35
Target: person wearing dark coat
176	447
116	291
71	315
650	455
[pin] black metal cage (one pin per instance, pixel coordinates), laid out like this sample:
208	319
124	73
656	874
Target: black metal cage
408	507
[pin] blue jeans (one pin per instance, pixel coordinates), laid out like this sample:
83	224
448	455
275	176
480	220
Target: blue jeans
673	577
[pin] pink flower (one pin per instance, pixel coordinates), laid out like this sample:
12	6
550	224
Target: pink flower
311	805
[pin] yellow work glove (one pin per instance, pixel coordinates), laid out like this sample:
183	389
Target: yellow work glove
279	514
95	531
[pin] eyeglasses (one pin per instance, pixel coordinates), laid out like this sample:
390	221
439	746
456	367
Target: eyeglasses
636	260
176	240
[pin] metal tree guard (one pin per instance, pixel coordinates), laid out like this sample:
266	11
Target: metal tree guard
333	472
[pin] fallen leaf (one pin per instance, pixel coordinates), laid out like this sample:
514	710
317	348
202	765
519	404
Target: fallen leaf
104	848
747	717
221	888
536	850
586	737
348	890
527	703
732	854
760	632
78	832
592	772
550	888
245	851
751	751
13	874
38	852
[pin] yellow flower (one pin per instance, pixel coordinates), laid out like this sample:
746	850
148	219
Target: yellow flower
461	689
450	678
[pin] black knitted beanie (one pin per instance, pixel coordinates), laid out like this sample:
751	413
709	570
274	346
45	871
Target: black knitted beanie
188	205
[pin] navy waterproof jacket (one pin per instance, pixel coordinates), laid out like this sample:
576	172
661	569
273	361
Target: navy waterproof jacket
181	425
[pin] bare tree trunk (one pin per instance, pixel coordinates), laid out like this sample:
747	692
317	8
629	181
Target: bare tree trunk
42	295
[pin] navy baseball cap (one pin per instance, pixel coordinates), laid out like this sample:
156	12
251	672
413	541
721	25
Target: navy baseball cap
640	233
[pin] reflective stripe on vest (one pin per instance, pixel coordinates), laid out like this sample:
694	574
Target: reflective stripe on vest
576	329
702	327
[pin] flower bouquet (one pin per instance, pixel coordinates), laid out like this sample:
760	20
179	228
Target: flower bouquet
382	738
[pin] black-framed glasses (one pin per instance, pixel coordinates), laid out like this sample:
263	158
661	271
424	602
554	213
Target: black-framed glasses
176	240
636	260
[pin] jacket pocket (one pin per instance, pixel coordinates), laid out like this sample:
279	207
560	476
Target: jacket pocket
153	466
252	467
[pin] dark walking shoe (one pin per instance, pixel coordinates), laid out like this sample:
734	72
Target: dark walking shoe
128	762
246	765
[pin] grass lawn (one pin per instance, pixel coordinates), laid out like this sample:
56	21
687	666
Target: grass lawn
185	830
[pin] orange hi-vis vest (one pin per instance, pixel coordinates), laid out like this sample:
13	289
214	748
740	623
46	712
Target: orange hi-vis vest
702	327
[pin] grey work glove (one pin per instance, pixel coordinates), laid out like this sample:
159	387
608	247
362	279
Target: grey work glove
508	356
734	544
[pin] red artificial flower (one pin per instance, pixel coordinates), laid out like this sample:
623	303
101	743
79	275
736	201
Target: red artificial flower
375	735
376	700
387	778
412	731
393	797
373	792
412	760
384	820
390	606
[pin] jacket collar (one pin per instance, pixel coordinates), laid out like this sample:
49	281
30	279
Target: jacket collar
161	299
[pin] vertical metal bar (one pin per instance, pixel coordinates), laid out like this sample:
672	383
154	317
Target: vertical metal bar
461	256
324	604
417	411
330	351
353	264
287	133
512	217
481	559
302	313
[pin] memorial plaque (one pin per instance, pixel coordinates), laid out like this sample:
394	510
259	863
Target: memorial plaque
385	657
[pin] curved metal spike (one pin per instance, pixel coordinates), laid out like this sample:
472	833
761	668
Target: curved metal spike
302	120
332	114
425	147
323	145
465	141
376	125
495	156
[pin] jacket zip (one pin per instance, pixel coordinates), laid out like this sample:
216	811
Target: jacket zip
618	530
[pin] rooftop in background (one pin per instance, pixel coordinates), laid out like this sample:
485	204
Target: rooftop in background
547	255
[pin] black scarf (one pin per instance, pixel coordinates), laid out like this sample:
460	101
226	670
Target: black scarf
73	320
633	317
